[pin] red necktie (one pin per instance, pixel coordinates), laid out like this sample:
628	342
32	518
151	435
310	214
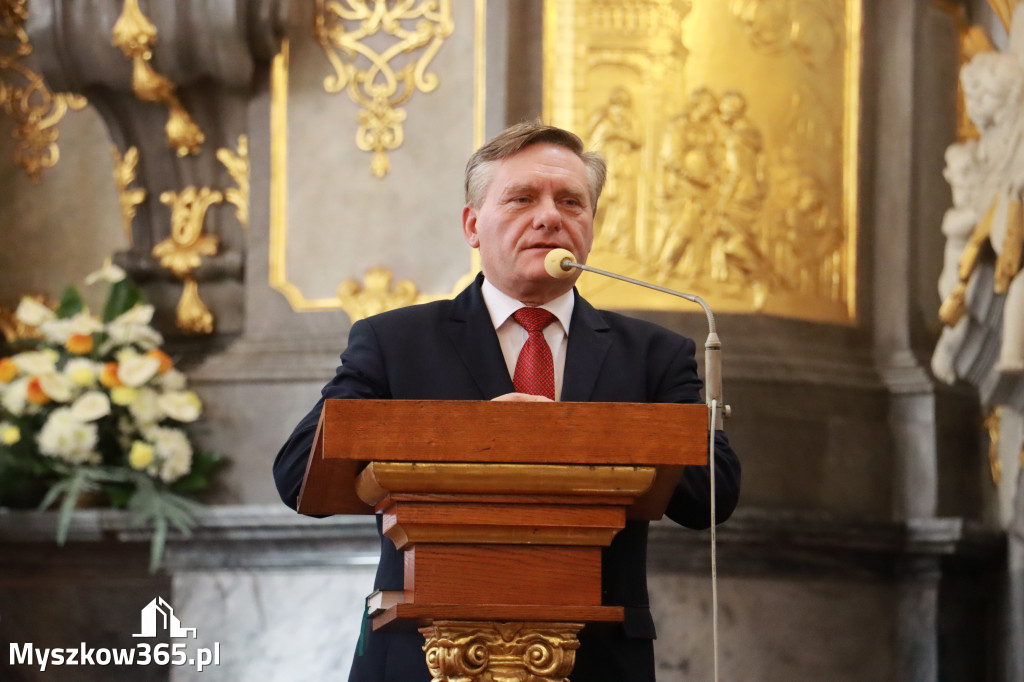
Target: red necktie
535	370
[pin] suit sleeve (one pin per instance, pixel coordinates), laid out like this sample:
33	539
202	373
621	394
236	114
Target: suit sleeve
690	505
361	375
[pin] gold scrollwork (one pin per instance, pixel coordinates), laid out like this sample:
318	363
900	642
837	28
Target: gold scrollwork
376	295
36	111
237	165
129	197
468	651
993	426
182	252
345	30
135	35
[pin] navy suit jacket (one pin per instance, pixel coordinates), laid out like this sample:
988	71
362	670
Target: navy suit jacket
448	350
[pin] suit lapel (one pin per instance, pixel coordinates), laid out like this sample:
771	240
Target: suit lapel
588	345
471	331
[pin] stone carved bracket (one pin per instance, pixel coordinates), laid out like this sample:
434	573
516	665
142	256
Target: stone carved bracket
210	52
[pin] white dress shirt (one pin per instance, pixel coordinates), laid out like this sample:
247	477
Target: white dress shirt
512	336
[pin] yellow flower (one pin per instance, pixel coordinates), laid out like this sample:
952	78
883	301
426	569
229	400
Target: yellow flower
165	360
108	377
141	455
9	434
79	344
123	395
8	370
36	394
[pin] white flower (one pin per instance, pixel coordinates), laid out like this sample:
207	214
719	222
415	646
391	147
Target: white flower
69	439
60	330
134	370
57	386
182	406
15	397
146	408
172	380
91	406
36	362
133	327
173	451
33	313
81	372
108	272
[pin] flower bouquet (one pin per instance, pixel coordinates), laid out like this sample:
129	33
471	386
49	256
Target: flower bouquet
90	406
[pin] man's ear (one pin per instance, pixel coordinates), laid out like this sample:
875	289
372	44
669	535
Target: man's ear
469	227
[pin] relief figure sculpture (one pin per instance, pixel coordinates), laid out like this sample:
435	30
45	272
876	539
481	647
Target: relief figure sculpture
689	159
613	131
744	185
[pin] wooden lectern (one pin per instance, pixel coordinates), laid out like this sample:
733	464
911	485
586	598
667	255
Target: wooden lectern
502	509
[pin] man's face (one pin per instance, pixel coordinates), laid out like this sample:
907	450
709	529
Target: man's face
537	200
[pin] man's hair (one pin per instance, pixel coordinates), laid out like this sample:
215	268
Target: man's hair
513	140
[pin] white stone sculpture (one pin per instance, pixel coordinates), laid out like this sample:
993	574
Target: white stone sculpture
986	176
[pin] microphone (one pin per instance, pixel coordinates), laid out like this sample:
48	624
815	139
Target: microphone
559	263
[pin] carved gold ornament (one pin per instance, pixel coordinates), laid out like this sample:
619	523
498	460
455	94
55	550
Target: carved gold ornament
135	35
467	651
182	252
237	165
129	197
376	294
993	426
26	99
350	32
741	186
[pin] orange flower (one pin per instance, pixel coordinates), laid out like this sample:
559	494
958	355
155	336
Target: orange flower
35	393
79	344
108	377
8	370
165	360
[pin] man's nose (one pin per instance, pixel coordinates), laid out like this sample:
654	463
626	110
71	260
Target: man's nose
548	216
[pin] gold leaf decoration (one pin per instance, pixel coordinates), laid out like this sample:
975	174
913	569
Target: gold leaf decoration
135	35
350	33
25	98
993	426
129	197
182	252
376	295
237	165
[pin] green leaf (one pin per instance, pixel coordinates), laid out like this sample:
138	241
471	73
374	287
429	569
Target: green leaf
123	296
71	302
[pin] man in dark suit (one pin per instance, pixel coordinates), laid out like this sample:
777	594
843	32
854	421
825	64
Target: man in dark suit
528	191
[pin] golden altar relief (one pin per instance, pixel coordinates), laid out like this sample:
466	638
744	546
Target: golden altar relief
730	130
343	239
129	198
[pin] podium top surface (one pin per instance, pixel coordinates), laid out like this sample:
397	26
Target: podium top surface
352	433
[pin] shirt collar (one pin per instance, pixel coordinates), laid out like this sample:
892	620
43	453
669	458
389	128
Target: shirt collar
501	306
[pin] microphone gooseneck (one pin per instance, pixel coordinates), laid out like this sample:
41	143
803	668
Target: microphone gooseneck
559	263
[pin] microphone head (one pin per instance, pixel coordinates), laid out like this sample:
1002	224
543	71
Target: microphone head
555	263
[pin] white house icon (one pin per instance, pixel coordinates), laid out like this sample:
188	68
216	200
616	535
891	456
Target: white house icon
168	620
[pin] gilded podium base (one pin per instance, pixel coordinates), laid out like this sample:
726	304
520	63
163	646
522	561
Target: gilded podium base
483	651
